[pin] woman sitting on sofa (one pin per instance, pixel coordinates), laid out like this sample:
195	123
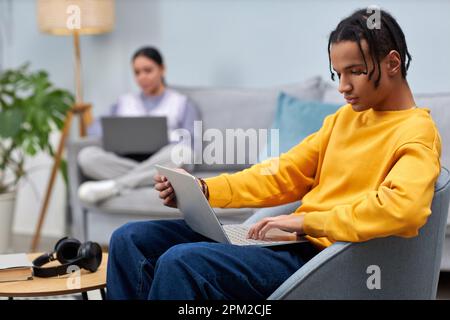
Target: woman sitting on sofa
115	174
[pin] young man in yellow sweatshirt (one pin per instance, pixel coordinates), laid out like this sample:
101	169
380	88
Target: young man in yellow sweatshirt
369	172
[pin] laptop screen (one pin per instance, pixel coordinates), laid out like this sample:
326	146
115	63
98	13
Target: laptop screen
134	135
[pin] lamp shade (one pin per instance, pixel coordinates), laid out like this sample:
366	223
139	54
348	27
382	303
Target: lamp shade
64	17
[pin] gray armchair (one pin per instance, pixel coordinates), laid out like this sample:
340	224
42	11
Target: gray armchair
408	267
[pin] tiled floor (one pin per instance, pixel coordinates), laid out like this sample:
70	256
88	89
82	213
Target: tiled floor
21	243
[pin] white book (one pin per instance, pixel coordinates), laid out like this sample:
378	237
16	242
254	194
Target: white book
15	267
15	260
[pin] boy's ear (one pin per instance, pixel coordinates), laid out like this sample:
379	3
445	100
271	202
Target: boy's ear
393	62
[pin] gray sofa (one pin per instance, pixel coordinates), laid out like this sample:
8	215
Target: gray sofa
221	108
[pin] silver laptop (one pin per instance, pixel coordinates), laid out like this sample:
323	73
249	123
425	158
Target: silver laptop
201	218
134	135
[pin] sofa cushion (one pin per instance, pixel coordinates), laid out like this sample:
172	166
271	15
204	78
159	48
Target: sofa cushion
232	108
142	204
101	225
296	119
146	202
141	201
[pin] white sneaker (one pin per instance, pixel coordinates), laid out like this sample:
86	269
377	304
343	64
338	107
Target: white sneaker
95	191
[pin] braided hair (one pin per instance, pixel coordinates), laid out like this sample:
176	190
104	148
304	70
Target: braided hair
381	40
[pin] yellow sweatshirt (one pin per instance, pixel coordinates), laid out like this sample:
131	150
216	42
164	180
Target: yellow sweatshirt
363	175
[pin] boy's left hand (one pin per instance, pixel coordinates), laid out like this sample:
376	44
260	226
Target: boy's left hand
288	223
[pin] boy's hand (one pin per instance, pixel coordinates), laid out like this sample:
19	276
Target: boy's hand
165	189
266	228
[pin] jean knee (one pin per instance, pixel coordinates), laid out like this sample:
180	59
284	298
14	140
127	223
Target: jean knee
122	236
185	254
178	253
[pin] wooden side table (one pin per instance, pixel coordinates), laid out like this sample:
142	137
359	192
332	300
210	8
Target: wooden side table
41	287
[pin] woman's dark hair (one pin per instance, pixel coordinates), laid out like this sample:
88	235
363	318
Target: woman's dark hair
381	39
150	53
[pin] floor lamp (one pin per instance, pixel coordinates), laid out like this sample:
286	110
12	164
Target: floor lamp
71	18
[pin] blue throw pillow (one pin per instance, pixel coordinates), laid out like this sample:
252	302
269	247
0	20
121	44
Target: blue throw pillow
296	119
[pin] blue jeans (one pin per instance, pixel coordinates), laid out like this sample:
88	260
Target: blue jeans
166	259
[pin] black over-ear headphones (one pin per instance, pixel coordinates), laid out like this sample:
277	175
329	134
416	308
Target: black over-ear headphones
69	252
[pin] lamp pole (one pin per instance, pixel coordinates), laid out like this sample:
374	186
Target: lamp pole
83	109
53	18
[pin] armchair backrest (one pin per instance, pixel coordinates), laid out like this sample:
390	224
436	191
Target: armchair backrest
385	268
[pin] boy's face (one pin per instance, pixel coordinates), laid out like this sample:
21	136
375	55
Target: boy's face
354	82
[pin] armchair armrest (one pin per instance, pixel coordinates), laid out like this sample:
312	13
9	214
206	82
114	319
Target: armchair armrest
74	147
407	268
76	177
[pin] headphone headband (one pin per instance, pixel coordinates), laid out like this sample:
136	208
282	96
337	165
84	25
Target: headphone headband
68	252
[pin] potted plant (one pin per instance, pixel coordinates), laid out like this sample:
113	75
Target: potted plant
30	109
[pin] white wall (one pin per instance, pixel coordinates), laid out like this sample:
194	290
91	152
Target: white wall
215	43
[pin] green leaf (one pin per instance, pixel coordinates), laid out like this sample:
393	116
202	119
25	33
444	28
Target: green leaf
31	107
10	123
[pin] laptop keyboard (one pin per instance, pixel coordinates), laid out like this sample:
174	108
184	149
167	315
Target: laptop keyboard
237	234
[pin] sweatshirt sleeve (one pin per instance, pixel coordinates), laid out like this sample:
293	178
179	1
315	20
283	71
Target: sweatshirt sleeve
272	182
400	206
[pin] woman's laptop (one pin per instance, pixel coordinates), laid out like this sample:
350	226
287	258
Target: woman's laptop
199	215
134	135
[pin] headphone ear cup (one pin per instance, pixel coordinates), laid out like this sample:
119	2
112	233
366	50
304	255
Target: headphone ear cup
91	256
59	243
67	250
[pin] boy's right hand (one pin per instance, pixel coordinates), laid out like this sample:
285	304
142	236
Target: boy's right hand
165	189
